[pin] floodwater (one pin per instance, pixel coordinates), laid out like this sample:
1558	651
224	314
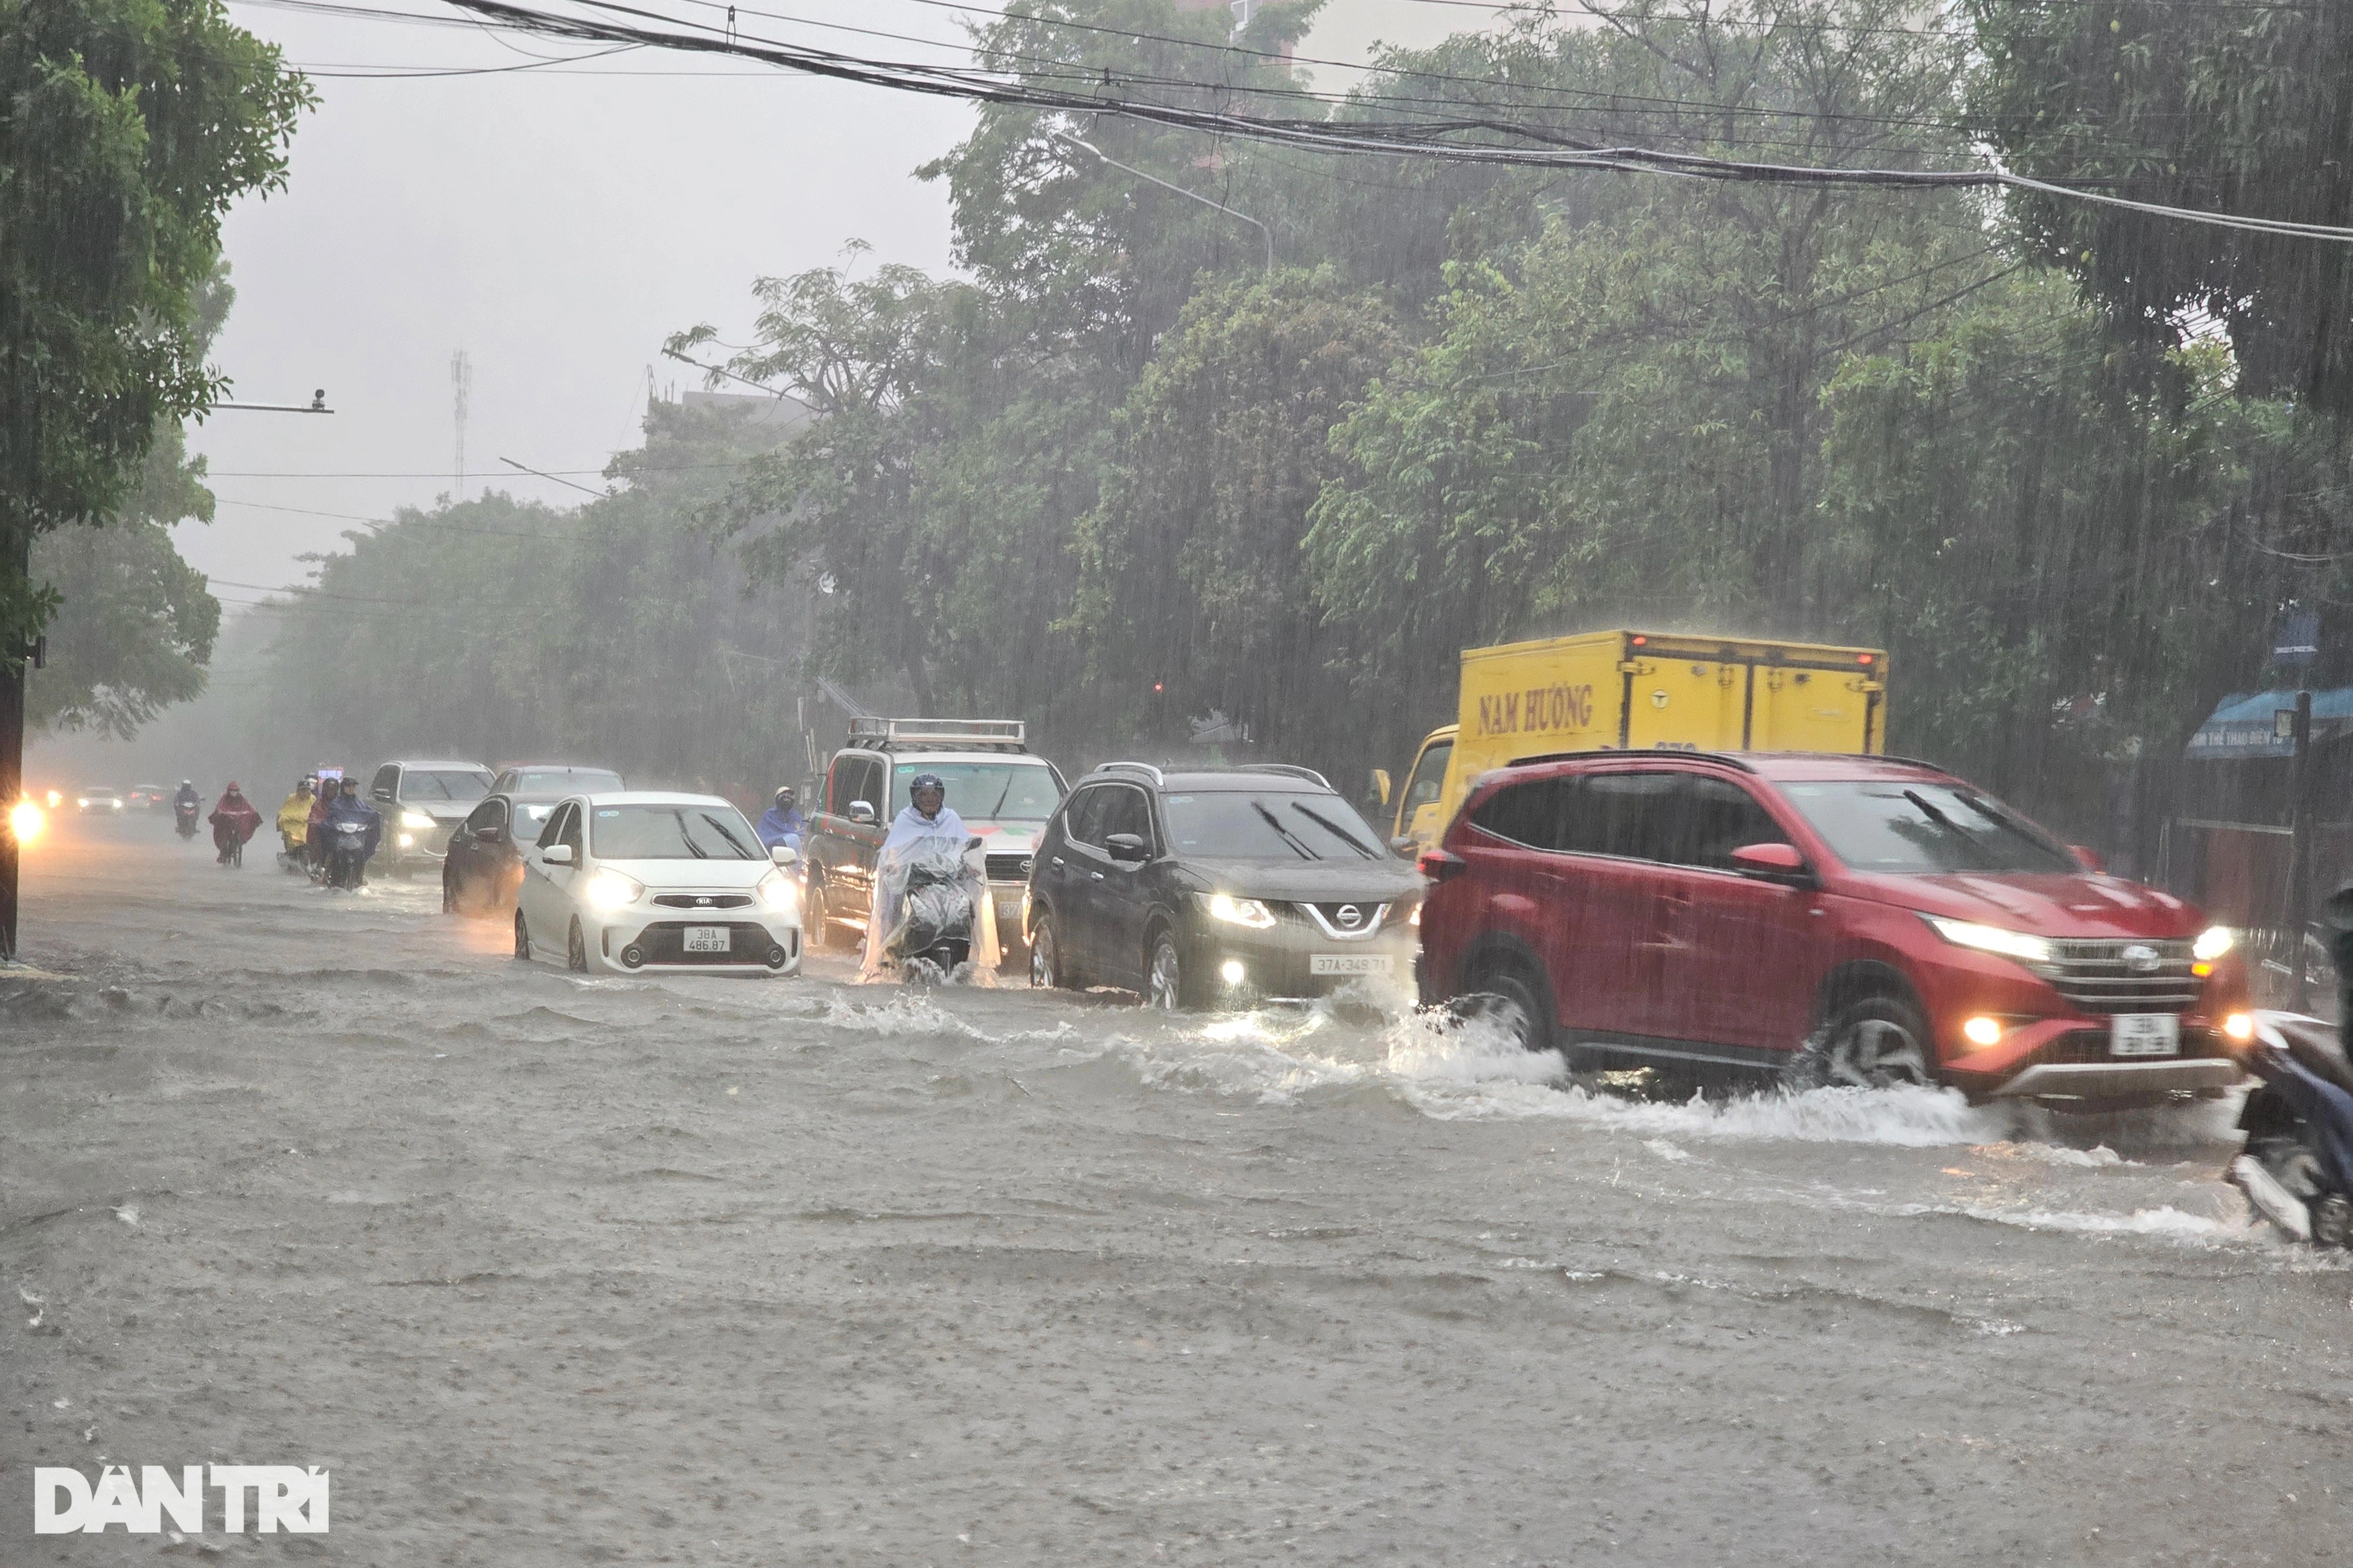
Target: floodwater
553	1270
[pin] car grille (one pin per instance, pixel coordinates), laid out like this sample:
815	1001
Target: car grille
1009	867
703	900
665	942
2095	978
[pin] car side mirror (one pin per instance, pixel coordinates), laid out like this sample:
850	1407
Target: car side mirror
1381	785
1402	844
2088	858
556	855
381	794
862	813
1128	849
783	855
489	835
1772	863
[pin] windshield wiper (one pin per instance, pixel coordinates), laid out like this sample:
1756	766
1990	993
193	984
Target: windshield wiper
743	850
687	839
1298	844
1929	810
1335	829
1001	795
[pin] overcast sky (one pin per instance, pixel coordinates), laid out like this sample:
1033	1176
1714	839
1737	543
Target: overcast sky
555	224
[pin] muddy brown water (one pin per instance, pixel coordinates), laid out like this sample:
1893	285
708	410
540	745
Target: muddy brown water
548	1270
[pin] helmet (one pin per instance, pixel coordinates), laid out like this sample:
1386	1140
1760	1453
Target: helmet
187	784
927	781
785	792
232	786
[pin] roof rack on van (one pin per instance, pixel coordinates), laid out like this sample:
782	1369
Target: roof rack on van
1291	769
1146	769
880	734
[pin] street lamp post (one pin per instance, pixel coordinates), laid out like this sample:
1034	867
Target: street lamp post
1265	233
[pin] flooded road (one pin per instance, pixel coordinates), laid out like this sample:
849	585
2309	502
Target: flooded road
550	1270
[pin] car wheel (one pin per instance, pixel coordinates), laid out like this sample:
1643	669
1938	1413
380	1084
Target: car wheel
522	937
1046	957
816	921
1874	1042
448	892
575	950
1512	1003
1165	978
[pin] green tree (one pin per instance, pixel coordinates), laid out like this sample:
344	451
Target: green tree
1191	572
134	625
126	127
2243	109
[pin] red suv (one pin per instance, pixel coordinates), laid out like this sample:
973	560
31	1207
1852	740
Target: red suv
1835	919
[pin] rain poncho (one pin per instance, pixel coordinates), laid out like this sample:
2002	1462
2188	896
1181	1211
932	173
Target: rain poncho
929	880
234	820
294	819
781	825
351	808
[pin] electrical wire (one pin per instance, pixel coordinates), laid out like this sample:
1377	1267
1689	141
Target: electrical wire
1369	137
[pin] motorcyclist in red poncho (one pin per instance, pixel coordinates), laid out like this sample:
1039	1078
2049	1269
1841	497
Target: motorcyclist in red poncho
233	821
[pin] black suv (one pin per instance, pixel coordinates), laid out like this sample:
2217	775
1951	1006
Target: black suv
1196	888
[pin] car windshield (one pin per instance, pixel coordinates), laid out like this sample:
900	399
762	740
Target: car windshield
1918	828
557	781
987	792
534	812
97	789
439	784
1232	825
680	832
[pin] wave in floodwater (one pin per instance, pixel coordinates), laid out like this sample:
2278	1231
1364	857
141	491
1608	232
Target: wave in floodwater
1466	1069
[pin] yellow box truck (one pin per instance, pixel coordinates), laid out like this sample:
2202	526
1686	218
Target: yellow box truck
1642	691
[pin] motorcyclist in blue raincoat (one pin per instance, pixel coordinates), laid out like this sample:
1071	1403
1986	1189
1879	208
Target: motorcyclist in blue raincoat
348	807
781	823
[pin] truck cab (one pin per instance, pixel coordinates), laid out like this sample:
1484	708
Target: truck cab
1002	791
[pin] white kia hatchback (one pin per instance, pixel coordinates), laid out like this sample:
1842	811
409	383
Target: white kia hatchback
641	880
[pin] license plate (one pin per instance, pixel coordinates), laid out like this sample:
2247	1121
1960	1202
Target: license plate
1008	913
707	938
2145	1035
1351	964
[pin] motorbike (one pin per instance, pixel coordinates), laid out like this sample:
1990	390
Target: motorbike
347	855
939	893
294	851
184	814
2297	1169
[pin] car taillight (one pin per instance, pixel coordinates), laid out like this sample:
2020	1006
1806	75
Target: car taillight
1440	865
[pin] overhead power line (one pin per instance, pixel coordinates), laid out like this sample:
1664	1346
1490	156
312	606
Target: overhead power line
1427	139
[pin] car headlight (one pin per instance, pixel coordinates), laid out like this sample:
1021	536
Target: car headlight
608	889
1248	912
1993	938
82	801
778	895
415	819
2212	943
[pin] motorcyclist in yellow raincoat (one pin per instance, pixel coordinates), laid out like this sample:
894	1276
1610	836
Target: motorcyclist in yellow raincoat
294	819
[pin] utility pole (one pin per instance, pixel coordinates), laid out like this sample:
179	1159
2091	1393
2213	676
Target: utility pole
2296	645
462	382
2300	847
12	758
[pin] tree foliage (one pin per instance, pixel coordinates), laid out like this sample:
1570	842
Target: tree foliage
126	127
2244	108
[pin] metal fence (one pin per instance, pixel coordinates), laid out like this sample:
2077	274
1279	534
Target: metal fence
2237	873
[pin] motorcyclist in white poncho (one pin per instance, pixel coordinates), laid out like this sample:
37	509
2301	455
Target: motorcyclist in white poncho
929	845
